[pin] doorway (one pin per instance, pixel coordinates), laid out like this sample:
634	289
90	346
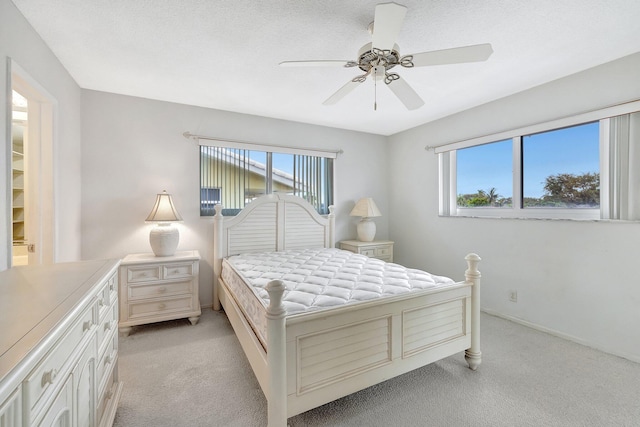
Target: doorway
32	209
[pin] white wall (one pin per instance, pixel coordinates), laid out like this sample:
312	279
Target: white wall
20	42
577	279
133	148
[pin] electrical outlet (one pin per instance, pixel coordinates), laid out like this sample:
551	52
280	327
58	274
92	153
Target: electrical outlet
513	296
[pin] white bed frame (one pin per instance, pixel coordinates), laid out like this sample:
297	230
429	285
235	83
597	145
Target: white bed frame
318	357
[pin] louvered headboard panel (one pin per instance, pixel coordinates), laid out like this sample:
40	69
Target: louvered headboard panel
301	230
257	233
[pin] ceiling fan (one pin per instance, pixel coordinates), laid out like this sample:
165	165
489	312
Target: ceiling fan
377	58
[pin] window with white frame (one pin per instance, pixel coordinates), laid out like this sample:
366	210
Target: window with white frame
577	168
233	177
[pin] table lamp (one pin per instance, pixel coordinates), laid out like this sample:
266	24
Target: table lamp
164	236
367	209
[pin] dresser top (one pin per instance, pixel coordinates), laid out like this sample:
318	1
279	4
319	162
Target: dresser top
34	300
147	258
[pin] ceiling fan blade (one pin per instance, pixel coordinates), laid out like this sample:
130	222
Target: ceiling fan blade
387	24
318	63
342	92
406	94
456	55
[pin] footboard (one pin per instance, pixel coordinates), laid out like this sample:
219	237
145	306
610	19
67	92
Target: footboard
331	355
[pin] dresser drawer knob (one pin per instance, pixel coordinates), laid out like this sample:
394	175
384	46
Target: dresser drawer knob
107	360
162	306
86	326
107	326
49	377
101	302
162	290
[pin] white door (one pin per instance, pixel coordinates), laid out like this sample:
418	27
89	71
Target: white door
32	208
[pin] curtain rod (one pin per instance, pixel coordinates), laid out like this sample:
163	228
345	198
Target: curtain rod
602	113
249	145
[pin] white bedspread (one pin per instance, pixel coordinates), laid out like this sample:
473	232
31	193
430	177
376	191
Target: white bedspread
318	279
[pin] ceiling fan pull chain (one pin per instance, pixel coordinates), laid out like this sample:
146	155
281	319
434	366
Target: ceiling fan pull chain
375	95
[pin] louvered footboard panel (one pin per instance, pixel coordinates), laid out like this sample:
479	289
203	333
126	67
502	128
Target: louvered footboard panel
427	327
331	356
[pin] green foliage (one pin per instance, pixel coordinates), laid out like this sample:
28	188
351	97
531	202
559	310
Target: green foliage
563	190
566	189
489	198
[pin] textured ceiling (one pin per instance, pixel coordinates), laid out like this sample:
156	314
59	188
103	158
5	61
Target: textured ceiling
225	54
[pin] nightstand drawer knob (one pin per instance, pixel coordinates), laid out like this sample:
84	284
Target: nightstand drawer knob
162	290
162	306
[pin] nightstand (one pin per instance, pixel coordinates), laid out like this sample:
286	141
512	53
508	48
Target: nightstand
381	249
154	289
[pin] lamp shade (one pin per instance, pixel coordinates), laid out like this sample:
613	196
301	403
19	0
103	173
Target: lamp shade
164	237
366	208
163	210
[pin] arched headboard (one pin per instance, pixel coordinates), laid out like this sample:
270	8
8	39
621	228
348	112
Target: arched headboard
275	222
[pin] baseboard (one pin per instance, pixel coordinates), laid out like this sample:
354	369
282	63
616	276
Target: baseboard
631	357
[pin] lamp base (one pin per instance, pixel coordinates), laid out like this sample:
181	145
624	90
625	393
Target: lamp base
164	239
366	230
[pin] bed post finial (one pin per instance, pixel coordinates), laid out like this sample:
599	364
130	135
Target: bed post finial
276	355
473	355
218	220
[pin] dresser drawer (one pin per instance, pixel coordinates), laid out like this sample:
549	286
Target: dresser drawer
107	361
145	291
178	271
105	399
159	307
106	325
59	412
109	291
43	379
146	273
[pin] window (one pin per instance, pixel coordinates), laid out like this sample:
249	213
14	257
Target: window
561	168
565	169
234	177
484	175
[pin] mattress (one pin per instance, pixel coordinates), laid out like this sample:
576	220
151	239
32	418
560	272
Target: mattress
317	279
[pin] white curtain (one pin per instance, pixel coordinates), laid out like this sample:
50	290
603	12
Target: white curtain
624	164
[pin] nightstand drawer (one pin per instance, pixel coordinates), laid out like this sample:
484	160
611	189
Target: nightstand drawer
159	307
177	271
368	252
137	292
383	252
143	273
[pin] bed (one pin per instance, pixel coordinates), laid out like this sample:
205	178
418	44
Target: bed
313	356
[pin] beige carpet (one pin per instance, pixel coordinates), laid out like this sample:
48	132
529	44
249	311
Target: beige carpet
176	374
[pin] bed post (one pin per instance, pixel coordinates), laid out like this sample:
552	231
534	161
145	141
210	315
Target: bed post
332	227
276	356
473	355
218	220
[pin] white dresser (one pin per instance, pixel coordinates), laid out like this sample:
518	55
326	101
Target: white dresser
153	289
59	345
